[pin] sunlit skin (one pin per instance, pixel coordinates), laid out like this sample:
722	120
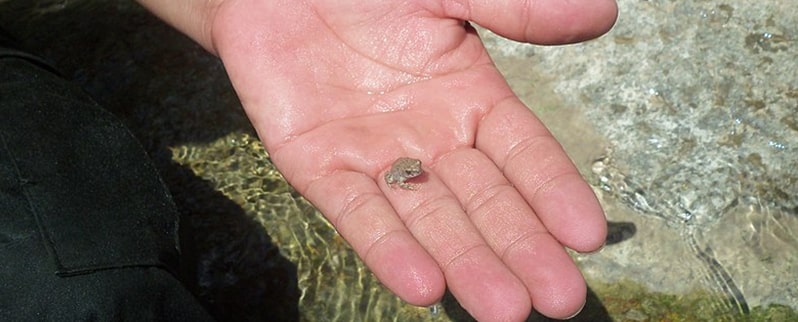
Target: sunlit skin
338	90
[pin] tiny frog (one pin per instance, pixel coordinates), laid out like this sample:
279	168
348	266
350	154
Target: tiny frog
402	170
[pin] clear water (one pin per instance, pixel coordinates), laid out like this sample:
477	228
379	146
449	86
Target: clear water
696	104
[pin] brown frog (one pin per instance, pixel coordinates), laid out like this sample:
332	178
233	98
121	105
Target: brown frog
402	170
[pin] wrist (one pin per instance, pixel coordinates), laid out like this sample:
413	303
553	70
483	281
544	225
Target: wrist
193	18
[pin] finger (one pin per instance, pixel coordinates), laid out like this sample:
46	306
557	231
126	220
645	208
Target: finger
483	285
513	231
539	21
537	166
361	214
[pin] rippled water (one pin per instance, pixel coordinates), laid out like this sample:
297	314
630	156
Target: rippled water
683	119
697	104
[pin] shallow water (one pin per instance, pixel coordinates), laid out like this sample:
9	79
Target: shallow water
697	102
683	119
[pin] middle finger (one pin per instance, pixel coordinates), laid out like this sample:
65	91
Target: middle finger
513	231
474	274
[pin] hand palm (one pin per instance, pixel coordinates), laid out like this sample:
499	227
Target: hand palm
337	95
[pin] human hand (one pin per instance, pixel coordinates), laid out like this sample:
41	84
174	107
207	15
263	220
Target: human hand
338	90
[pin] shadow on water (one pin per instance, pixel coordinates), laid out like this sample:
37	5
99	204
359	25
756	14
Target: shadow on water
618	231
169	92
593	311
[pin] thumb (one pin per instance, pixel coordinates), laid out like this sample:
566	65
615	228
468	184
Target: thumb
546	22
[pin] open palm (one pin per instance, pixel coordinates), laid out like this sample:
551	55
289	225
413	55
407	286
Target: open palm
338	90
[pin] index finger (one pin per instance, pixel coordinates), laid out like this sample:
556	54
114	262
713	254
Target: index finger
532	159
